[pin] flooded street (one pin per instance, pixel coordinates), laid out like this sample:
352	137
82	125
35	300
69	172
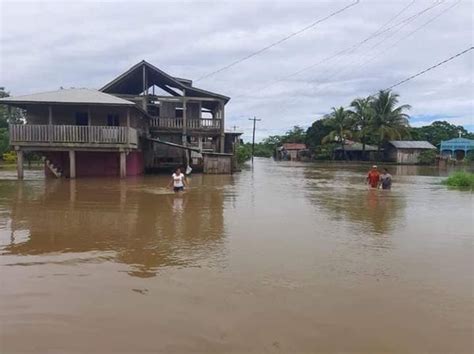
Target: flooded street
288	257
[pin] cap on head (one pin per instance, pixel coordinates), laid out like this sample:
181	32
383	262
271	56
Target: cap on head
374	166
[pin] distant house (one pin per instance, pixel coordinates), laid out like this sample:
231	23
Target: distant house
406	151
354	151
456	148
290	151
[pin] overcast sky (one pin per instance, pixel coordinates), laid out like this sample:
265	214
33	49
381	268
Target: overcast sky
48	44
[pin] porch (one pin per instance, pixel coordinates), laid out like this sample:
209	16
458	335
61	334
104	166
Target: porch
72	136
202	124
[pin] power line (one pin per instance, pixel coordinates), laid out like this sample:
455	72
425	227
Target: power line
238	61
430	68
355	46
369	58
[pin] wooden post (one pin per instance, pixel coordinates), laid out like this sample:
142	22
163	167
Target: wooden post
128	125
123	164
72	164
50	123
145	89
89	116
185	128
222	143
19	163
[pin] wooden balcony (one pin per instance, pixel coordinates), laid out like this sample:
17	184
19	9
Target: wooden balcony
72	136
204	124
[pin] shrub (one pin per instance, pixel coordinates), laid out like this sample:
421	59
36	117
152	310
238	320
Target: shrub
243	153
427	157
460	179
9	157
470	156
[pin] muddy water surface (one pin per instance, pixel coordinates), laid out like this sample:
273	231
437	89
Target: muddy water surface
285	258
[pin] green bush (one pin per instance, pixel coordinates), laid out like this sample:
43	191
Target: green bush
427	157
9	157
243	153
460	179
470	156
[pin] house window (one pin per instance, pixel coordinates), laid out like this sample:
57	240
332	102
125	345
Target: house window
113	120
82	118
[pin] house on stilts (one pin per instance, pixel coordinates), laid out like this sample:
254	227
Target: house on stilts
143	120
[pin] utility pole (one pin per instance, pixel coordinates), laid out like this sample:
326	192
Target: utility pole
253	137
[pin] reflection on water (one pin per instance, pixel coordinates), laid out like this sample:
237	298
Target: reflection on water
145	225
285	257
345	197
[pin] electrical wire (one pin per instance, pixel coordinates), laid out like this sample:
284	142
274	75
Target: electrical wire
278	42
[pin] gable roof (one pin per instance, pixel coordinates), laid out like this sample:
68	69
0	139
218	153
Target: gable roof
69	96
131	82
409	144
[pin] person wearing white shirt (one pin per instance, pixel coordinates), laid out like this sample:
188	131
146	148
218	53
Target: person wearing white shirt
178	180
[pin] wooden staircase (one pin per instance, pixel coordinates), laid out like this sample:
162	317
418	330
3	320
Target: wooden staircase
56	170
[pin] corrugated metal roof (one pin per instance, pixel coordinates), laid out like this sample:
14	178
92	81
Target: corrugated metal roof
68	96
356	146
409	144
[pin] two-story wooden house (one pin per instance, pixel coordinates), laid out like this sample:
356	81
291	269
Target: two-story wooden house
143	119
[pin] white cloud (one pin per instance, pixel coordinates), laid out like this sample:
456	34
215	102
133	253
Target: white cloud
47	44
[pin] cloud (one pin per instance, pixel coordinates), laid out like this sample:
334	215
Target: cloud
48	44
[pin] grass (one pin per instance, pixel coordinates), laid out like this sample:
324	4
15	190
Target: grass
460	179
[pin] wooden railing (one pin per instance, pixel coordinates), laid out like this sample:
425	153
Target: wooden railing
57	134
177	123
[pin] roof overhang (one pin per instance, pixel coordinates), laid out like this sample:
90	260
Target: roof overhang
133	81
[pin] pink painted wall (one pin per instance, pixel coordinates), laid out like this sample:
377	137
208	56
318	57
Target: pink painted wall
96	164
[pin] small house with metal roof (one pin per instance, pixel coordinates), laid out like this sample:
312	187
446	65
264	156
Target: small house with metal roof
406	151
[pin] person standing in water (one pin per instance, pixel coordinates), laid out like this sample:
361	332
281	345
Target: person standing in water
373	177
386	179
178	180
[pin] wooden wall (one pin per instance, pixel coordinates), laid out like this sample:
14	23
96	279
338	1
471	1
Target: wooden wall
217	164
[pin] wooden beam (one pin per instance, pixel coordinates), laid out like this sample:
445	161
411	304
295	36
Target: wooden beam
19	163
72	164
123	164
50	123
222	143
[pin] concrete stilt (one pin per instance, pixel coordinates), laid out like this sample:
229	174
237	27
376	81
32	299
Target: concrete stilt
19	164
123	164
72	164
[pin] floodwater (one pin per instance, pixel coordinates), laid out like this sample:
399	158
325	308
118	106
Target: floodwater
285	258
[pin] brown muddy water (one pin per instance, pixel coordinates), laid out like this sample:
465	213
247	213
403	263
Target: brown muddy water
286	258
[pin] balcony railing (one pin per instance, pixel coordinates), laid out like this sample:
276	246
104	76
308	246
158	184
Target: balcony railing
177	123
29	134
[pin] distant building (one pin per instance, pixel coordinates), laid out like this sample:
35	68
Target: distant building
406	151
290	151
456	148
354	151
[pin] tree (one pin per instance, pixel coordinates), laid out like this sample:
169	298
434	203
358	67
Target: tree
362	114
389	122
439	131
16	116
340	124
316	133
295	135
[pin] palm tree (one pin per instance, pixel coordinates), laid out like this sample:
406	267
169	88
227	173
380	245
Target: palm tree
389	121
362	114
340	123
